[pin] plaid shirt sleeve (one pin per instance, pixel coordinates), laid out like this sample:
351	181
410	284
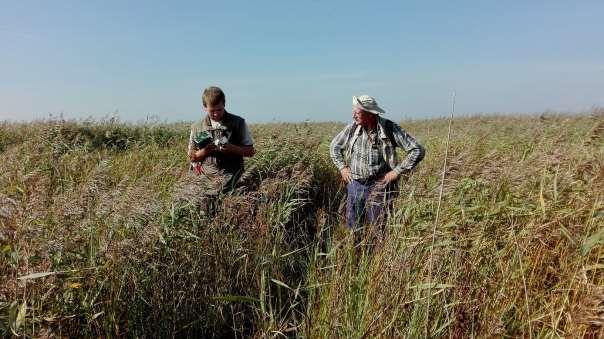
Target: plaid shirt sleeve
336	148
415	151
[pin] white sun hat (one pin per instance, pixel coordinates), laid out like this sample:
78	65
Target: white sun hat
367	103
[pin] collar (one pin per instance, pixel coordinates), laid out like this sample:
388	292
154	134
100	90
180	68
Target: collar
380	128
208	121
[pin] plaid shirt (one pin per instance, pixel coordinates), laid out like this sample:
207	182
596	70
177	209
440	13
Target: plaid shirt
369	157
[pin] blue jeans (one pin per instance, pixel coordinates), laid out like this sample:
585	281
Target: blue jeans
368	202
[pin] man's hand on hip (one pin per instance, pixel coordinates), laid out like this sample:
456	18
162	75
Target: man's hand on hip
389	177
346	176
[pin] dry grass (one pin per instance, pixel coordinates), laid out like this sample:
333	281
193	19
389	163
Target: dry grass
98	209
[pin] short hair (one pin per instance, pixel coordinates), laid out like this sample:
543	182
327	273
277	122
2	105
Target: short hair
212	95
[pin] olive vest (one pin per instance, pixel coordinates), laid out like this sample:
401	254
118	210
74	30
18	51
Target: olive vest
218	162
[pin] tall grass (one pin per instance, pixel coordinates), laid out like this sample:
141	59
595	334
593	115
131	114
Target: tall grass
101	235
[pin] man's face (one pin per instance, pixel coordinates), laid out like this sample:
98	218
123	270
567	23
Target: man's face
215	111
362	118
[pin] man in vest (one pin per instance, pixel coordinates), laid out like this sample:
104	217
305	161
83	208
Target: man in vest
217	144
365	154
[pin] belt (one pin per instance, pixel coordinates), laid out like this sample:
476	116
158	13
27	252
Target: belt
371	179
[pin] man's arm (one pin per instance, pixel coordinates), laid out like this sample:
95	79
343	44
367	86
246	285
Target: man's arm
415	154
336	149
415	151
244	151
200	154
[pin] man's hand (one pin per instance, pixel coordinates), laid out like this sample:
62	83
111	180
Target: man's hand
201	154
228	148
389	177
345	173
244	151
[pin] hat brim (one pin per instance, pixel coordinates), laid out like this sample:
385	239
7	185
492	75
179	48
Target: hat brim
375	110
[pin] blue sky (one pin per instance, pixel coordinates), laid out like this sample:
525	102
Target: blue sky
302	60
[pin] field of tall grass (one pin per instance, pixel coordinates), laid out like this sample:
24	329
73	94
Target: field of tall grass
100	235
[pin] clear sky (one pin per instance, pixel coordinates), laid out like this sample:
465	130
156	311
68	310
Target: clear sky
298	60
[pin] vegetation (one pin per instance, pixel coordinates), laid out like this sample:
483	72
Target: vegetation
100	235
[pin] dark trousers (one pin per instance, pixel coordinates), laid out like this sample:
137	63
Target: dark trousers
369	202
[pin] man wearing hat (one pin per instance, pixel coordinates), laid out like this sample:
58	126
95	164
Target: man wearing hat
365	153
